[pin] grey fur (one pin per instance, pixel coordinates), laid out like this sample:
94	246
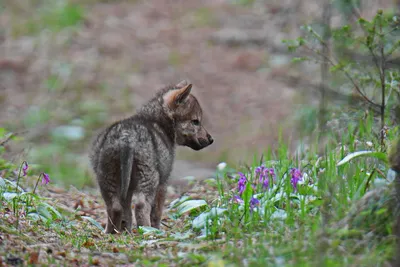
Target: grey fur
133	158
126	159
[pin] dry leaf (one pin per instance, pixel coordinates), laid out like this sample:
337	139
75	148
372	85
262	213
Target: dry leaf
78	203
62	254
88	244
34	258
95	262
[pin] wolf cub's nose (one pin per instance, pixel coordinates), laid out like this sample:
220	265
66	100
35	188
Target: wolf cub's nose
210	139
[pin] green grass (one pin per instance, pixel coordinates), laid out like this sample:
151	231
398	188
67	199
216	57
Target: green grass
49	15
286	227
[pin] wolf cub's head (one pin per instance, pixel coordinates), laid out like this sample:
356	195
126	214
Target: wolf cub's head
185	111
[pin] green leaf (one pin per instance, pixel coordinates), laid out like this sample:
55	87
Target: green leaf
13	185
181	236
338	67
190	205
362	21
145	230
378	155
299	59
93	221
36	217
43	211
9	195
53	211
279	214
2	132
201	220
178	201
248	192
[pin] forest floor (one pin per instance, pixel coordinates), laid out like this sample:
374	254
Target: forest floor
74	240
68	68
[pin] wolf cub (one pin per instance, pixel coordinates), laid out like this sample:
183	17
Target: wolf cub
132	158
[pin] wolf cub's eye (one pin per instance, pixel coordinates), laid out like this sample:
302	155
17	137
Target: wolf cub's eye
196	122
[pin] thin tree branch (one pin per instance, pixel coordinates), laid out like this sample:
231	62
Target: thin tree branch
326	20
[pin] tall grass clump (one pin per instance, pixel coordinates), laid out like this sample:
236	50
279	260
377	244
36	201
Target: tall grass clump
286	210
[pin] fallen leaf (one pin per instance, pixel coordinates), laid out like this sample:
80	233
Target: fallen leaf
57	190
88	244
87	211
62	254
78	203
95	262
34	258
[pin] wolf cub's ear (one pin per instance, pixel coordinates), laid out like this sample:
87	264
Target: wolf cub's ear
177	96
181	84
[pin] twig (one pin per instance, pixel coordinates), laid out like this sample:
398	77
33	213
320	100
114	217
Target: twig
3	142
166	225
10	136
369	180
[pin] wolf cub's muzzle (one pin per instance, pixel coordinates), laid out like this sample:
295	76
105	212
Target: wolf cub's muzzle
206	142
201	143
210	139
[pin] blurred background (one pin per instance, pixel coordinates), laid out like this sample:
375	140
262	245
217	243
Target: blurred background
68	68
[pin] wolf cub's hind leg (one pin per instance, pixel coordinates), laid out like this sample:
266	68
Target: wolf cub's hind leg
142	211
126	224
158	206
114	214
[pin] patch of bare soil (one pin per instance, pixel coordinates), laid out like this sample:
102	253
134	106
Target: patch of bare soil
124	52
134	49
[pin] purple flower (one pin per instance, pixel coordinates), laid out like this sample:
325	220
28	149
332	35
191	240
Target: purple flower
237	199
266	183
253	203
260	171
271	173
25	168
265	175
241	183
296	177
46	178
